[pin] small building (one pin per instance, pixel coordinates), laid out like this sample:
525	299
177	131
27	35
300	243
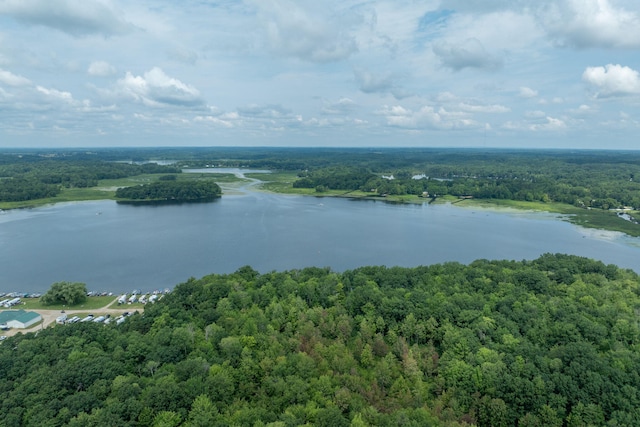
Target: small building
19	319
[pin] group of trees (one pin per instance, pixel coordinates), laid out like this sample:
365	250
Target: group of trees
21	189
69	293
549	342
598	187
33	176
172	190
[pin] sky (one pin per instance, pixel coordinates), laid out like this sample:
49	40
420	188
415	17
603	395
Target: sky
393	73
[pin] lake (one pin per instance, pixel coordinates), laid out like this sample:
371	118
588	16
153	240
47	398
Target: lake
119	248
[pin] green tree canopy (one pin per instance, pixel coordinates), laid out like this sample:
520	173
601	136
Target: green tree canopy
65	293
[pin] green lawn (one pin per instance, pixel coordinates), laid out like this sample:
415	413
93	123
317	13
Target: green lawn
92	303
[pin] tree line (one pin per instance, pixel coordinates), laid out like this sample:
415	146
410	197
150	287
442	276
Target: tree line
32	176
594	185
171	190
548	342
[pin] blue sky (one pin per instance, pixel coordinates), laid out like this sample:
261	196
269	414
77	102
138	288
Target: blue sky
470	73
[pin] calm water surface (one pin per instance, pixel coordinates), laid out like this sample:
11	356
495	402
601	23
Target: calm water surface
121	247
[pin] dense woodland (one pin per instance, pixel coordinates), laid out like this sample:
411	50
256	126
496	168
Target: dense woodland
171	190
598	185
549	342
31	175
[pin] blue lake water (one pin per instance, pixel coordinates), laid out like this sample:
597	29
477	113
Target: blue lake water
122	247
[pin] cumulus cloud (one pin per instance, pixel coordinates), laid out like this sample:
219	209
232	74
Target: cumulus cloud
592	23
342	106
155	88
612	80
55	94
468	54
306	30
372	83
101	69
10	79
74	17
426	118
527	92
546	123
379	83
551	123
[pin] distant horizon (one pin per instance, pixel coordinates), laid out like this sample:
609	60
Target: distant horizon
320	147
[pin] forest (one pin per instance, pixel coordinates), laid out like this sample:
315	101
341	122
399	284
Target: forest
598	185
548	342
35	175
171	190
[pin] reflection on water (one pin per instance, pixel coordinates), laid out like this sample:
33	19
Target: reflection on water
118	247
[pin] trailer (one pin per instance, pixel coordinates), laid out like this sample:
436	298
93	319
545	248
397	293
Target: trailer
89	318
12	302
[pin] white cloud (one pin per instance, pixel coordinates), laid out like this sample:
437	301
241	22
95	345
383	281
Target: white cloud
550	124
10	79
379	83
537	123
306	30
526	92
101	69
476	108
156	88
56	94
214	120
74	17
612	80
342	106
264	111
592	23
372	83
426	118
536	114
468	54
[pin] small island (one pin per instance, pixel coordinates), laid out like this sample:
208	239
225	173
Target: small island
170	191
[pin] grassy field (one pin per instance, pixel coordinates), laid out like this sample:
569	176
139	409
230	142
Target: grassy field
92	303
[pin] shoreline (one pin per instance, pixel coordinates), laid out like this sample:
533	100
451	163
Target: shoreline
584	217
